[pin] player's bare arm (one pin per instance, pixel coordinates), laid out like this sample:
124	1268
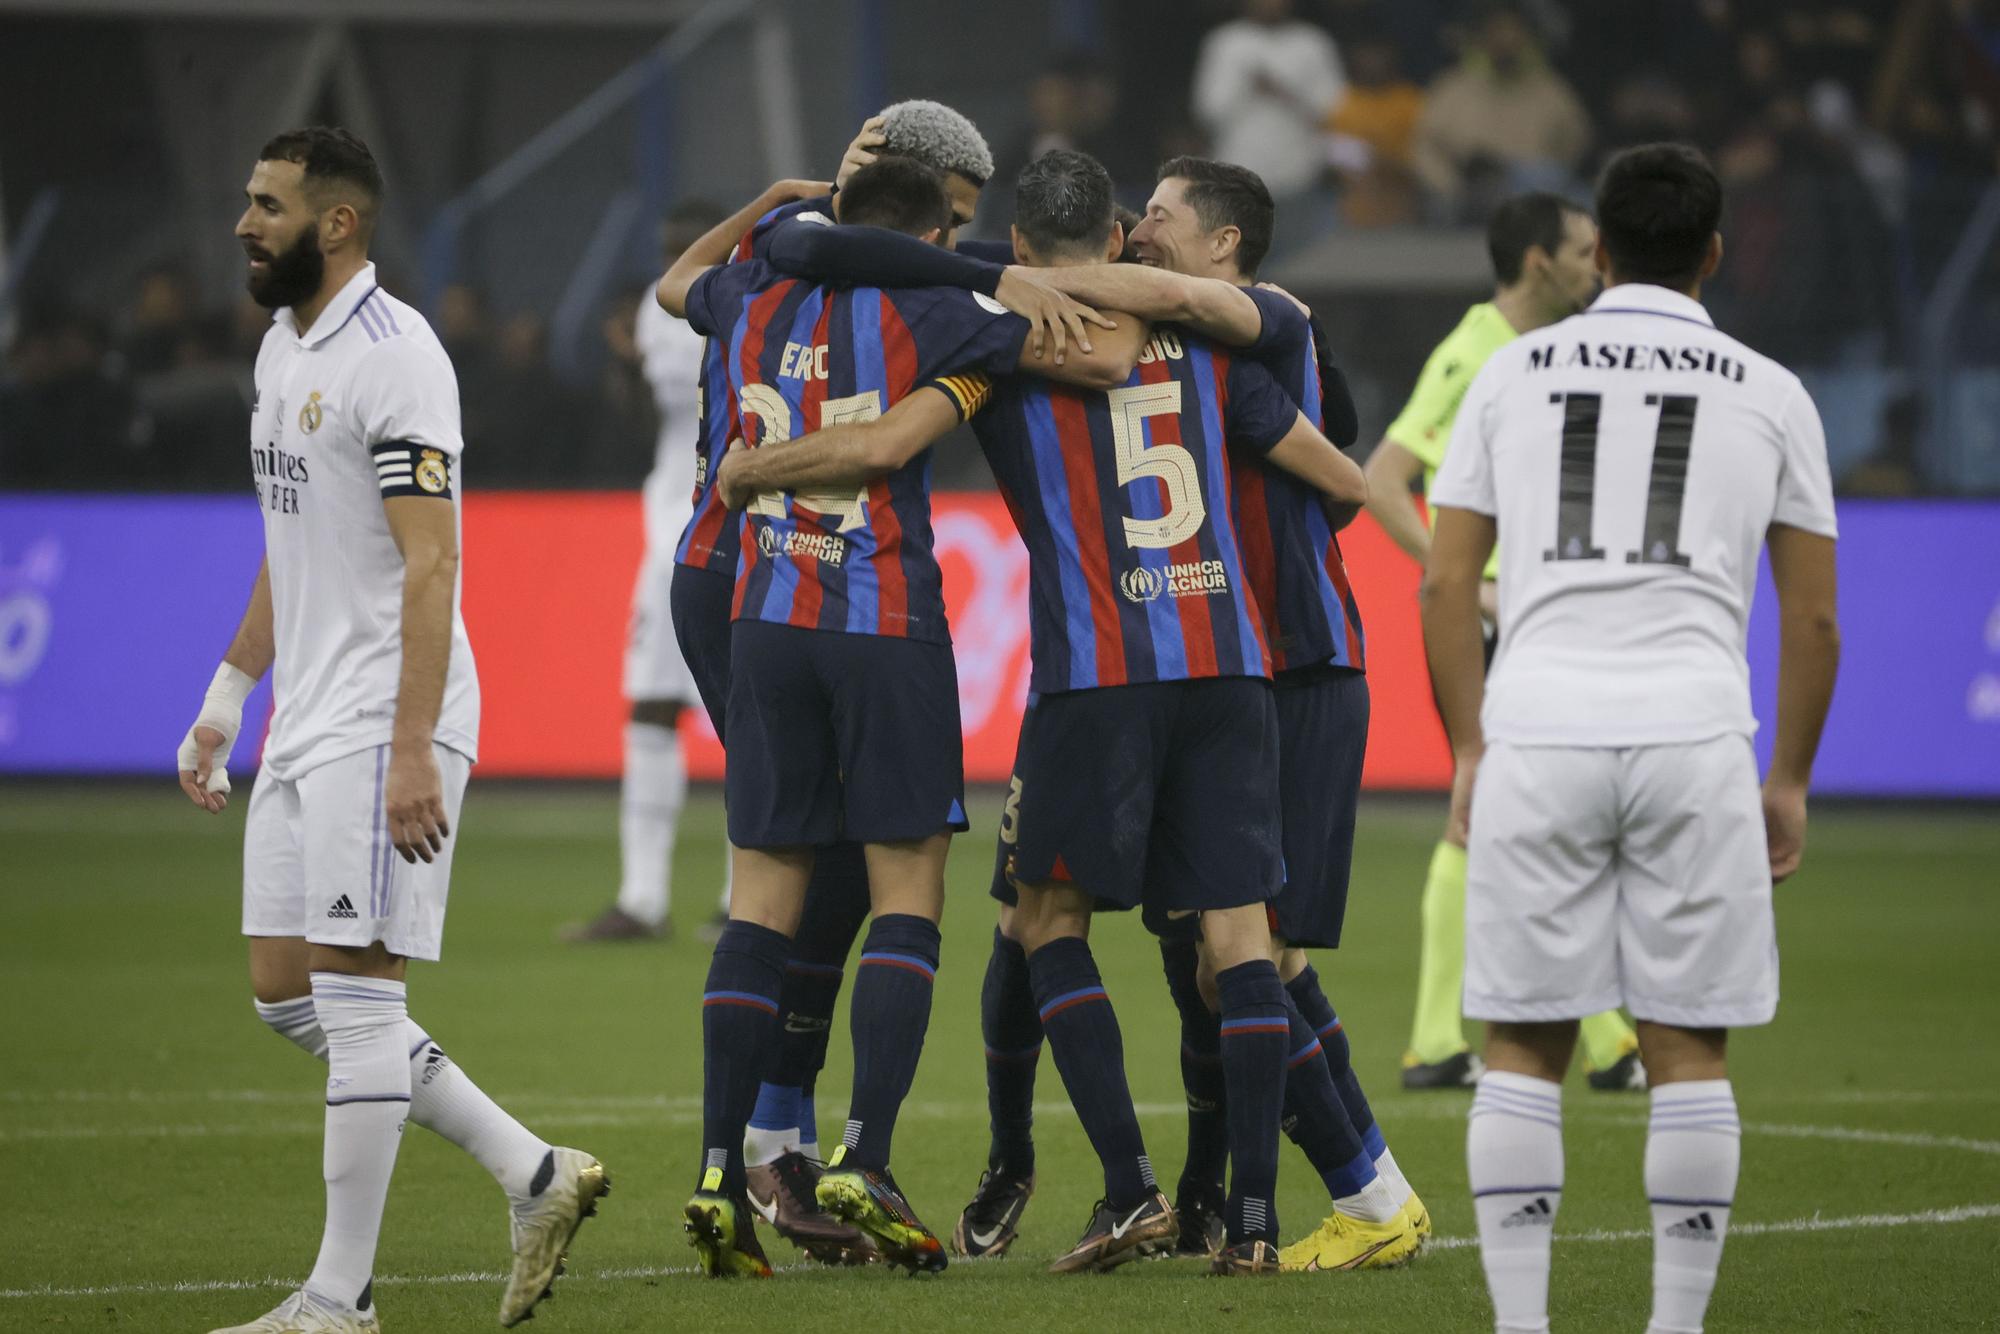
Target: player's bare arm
1210	306
1392	471
845	455
426	532
204	754
1452	642
715	244
1314	460
1802	567
1106	364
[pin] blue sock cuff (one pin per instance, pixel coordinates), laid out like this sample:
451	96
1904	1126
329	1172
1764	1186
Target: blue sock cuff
1351	1179
777	1108
1371	1140
1062	966
1252	985
759	942
903	933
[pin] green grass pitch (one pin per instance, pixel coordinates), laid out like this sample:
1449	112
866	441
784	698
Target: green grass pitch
160	1149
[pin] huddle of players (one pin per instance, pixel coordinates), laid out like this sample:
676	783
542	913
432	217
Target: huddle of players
1168	473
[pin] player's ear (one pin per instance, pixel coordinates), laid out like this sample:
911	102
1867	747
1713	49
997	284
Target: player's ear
1712	261
1604	258
1114	244
1022	254
1222	242
339	225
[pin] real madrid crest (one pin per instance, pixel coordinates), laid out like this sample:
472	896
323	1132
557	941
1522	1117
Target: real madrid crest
311	414
431	474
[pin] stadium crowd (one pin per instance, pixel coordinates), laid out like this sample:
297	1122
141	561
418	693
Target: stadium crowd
1852	135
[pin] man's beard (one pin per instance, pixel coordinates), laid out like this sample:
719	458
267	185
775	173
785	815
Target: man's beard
293	275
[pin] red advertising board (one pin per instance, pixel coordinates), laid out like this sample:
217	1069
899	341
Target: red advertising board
548	587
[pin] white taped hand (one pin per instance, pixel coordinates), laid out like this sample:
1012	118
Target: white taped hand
221	710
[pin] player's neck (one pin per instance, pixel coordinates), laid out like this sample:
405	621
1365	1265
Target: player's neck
340	271
1520	307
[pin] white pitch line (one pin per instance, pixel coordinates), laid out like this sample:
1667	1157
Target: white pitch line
1966	1213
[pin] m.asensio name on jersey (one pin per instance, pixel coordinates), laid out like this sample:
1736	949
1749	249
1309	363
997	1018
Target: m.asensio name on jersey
1192	578
1634	357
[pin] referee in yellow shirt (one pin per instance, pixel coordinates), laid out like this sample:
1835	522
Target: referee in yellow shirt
1544	252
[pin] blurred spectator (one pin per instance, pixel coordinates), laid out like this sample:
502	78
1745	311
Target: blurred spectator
64	419
1073	105
1646	108
1499	122
1264	86
527	426
626	422
193	418
1374	132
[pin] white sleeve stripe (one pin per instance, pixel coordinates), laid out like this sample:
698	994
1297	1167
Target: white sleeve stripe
394	475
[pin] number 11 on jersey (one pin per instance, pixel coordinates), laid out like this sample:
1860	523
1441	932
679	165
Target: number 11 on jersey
1667	487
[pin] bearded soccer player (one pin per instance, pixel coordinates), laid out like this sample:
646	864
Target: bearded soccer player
348	843
1152	698
1542	249
843	706
1633	460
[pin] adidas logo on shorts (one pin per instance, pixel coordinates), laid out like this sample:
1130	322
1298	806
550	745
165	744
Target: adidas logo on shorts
1699	1227
1535	1212
342	907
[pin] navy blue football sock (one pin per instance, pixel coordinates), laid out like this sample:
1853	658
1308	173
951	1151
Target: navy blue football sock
1090	1054
1319	1016
739	1011
892	1008
1201	1067
1316	1119
1256	1030
836	906
1013	1034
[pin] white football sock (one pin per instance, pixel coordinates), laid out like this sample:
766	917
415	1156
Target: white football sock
1693	1147
367	1100
649	809
761	1147
1514	1158
1376	1202
1399	1185
444	1099
297	1022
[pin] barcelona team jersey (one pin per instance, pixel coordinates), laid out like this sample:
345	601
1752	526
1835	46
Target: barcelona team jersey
712	535
1123	498
799	357
1291	554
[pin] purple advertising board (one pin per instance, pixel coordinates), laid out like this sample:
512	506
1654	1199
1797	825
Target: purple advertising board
115	609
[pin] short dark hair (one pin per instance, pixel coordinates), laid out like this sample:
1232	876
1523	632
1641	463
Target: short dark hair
1522	222
1223	194
899	193
328	154
1657	207
1063	203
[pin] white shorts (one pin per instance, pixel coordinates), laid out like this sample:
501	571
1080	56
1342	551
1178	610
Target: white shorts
318	861
654	668
1640	876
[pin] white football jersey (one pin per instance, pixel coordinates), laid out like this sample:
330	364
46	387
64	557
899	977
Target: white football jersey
670	355
1633	458
365	405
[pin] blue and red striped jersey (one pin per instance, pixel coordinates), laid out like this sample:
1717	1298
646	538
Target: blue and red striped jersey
1291	554
1123	498
801	357
713	534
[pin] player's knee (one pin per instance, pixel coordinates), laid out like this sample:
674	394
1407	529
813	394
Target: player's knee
278	969
1291	962
1538	1050
1235	936
1049	912
657	712
1677	1055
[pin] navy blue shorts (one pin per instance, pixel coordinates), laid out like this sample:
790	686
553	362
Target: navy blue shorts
1163	794
700	601
836	736
1323	731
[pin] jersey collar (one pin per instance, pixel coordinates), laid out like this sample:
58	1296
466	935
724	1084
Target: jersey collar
338	311
1646	299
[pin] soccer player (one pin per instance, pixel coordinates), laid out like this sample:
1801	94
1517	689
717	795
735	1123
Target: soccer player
843	699
657	680
1633	459
1541	247
781	1147
354	446
1147	766
1214	220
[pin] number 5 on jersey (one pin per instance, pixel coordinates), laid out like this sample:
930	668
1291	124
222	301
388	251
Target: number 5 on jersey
1577	490
1170	463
